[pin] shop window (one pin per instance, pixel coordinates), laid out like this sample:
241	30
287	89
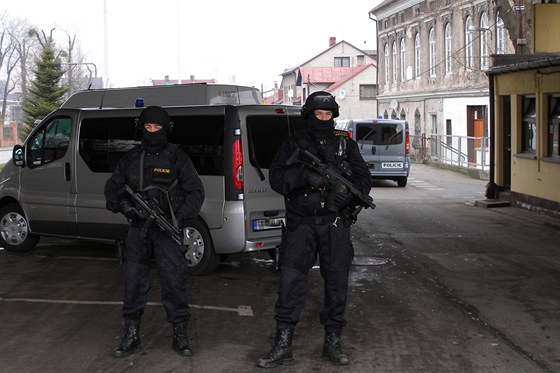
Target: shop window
554	126
529	126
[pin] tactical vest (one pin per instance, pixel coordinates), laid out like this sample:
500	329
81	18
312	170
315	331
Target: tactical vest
333	149
156	178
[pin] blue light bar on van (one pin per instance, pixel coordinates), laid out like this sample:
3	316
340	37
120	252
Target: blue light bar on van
264	224
139	102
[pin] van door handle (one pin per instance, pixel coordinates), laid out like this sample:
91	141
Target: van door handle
373	149
67	171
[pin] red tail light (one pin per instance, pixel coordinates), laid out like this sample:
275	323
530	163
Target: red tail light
237	160
407	143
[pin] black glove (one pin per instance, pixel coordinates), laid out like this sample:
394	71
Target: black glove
342	198
314	179
181	221
130	211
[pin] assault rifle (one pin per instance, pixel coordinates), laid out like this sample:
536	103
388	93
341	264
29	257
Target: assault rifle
157	216
334	177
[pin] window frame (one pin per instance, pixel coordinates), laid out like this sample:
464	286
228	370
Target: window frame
448	48
432	51
469	57
417	55
403	59
528	126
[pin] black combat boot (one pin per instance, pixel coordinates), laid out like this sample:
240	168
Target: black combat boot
281	351
332	349
130	342
180	340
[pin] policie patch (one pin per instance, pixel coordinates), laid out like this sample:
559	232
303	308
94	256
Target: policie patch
161	174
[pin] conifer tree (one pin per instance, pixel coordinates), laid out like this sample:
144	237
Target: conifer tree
46	91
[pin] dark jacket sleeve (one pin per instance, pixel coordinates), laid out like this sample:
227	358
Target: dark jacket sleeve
360	171
285	178
192	186
114	186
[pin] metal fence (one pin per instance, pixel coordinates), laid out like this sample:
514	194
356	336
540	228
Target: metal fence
462	151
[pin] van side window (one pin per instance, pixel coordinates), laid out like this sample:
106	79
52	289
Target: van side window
50	142
266	133
202	138
103	141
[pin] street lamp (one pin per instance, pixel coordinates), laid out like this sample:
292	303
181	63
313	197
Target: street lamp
87	65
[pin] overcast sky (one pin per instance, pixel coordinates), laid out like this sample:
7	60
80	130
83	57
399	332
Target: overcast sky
247	42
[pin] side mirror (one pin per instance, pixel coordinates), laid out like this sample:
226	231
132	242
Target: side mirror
18	156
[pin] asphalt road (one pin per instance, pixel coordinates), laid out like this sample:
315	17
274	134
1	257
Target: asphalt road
438	285
5	154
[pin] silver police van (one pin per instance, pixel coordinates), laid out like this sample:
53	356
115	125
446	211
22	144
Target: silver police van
384	145
54	184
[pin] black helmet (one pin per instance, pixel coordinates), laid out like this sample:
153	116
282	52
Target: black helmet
154	114
319	100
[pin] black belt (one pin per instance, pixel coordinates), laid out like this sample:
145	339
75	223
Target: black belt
315	220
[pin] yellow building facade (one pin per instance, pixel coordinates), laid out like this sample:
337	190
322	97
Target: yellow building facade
525	118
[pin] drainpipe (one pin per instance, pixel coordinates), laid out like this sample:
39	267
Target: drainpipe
374	19
491	187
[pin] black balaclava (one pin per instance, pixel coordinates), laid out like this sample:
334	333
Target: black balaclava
154	141
320	128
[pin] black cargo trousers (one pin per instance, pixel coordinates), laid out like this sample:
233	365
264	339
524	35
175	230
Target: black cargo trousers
172	269
301	245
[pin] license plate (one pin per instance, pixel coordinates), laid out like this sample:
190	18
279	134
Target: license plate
392	165
265	224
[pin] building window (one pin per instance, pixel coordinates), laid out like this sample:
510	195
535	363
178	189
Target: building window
360	60
341	61
394	61
432	40
449	132
448	47
500	35
468	44
403	60
484	41
554	126
529	126
368	91
417	55
386	55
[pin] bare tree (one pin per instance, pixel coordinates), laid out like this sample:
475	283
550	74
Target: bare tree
76	78
11	60
25	45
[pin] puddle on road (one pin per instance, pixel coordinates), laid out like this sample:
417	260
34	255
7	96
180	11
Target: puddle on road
369	261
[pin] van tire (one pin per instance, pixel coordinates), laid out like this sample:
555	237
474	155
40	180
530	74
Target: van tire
201	258
14	230
401	181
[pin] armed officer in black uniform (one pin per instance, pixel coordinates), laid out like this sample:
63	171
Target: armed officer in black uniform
165	175
318	224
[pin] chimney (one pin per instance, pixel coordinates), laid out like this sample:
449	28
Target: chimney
332	41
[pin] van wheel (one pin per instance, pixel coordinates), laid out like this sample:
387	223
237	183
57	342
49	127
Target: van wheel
201	258
401	181
14	230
